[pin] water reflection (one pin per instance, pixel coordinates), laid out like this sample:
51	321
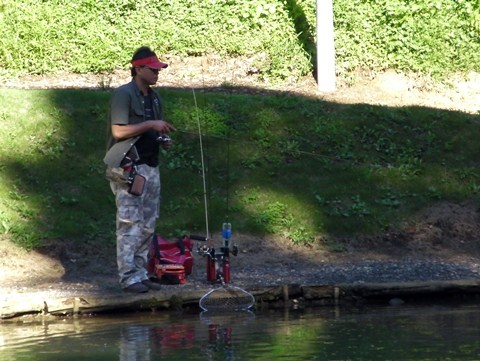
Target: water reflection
135	343
220	331
212	336
386	333
140	342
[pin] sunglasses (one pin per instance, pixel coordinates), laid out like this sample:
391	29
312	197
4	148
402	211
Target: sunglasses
154	71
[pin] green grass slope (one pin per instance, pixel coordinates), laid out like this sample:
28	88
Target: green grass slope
292	166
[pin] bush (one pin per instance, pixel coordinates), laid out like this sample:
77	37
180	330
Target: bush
435	37
428	36
96	36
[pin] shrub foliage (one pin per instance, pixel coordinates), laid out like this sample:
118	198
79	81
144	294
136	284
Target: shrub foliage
429	36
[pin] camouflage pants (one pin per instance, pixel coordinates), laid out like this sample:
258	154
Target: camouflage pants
136	219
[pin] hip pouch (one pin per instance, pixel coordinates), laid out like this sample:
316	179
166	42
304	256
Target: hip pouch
137	183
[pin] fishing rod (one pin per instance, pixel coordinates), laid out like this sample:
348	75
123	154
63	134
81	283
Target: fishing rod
226	297
242	141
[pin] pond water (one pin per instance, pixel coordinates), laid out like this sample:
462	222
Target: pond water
433	332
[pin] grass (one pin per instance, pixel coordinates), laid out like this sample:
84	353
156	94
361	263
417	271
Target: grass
304	169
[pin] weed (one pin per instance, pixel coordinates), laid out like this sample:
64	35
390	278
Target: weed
273	217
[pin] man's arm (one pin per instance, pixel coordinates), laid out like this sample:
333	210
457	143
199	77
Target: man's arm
121	129
120	132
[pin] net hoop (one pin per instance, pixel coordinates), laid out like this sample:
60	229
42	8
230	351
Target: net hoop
227	299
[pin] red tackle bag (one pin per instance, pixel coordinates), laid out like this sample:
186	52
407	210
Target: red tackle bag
170	261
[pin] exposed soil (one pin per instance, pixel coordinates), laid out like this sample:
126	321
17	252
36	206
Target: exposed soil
388	88
442	243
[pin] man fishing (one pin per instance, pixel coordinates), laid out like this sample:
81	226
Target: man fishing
136	131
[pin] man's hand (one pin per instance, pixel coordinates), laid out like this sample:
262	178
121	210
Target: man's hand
161	126
132	130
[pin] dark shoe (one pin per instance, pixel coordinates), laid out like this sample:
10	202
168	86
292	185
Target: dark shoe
152	285
138	287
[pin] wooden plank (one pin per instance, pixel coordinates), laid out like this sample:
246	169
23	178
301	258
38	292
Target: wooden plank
49	302
373	290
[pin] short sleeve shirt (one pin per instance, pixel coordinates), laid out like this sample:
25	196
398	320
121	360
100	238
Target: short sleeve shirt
127	106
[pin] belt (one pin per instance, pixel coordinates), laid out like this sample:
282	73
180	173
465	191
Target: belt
150	162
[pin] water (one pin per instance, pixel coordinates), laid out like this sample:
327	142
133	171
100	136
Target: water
441	332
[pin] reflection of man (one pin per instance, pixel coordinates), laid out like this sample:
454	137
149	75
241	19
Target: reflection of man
139	342
134	140
218	334
135	343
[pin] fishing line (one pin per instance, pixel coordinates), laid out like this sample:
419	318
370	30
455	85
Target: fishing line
227	205
202	156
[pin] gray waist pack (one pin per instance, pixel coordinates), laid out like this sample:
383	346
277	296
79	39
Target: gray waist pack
117	153
121	162
117	174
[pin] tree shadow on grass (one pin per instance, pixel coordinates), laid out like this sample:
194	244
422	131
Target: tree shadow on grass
312	171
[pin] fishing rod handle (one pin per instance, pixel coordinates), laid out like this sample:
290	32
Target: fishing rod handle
198	238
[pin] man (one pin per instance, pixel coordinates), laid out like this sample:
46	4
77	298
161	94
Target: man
136	132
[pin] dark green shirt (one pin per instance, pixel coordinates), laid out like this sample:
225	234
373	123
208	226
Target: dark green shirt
127	106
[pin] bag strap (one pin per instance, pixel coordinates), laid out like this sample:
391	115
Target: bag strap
181	245
156	247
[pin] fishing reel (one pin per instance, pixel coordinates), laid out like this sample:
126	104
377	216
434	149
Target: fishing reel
218	261
163	138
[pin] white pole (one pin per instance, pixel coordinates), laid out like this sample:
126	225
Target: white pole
325	46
